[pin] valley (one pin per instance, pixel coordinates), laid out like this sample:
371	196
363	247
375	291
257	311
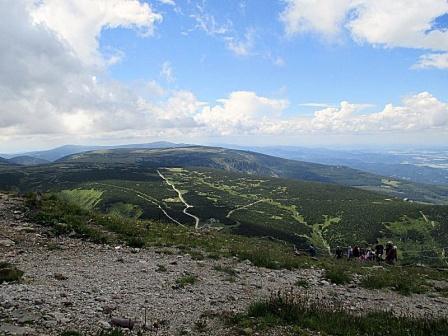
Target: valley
245	194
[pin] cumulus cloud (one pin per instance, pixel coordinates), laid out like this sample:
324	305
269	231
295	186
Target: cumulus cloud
241	112
80	22
246	113
323	16
48	88
397	23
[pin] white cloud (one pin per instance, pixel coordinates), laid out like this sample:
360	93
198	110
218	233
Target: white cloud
241	112
167	72
322	16
438	61
80	22
397	23
168	2
246	113
48	91
208	23
242	47
154	89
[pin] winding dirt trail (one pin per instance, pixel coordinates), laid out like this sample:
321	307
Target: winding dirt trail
243	207
187	206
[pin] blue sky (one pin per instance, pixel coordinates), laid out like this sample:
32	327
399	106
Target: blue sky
317	72
314	70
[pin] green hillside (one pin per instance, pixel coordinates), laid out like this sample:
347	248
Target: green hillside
263	165
293	211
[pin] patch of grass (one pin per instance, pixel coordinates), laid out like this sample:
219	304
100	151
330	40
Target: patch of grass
9	273
396	279
136	242
161	269
85	199
337	274
189	279
226	269
302	283
304	311
196	255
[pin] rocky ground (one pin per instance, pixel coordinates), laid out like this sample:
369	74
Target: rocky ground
70	284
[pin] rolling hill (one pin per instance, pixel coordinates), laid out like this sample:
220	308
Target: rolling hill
62	151
293	211
420	166
262	165
26	160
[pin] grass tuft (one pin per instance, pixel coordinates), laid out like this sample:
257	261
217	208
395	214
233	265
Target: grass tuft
303	311
186	280
9	273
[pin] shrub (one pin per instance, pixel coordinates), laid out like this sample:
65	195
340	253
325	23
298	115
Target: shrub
337	274
136	242
395	279
185	280
9	273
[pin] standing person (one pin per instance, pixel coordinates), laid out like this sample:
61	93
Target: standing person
312	250
356	252
379	251
349	253
339	253
391	255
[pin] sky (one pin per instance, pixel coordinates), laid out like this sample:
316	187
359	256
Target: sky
249	72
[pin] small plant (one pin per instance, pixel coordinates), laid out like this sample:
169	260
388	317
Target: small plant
337	275
302	283
136	242
401	282
226	269
161	269
200	325
9	273
196	255
185	280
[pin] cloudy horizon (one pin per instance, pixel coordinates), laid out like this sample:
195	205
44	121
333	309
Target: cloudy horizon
348	72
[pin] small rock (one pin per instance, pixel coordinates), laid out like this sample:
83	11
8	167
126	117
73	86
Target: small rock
104	325
60	276
6	242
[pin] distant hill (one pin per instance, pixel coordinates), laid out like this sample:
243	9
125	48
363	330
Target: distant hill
25	160
262	165
60	152
416	166
4	161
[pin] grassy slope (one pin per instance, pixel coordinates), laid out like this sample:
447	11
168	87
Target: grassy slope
263	165
290	210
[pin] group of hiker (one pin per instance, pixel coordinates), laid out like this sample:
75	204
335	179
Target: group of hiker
378	253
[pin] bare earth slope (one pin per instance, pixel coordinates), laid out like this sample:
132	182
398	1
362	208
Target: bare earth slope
71	284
